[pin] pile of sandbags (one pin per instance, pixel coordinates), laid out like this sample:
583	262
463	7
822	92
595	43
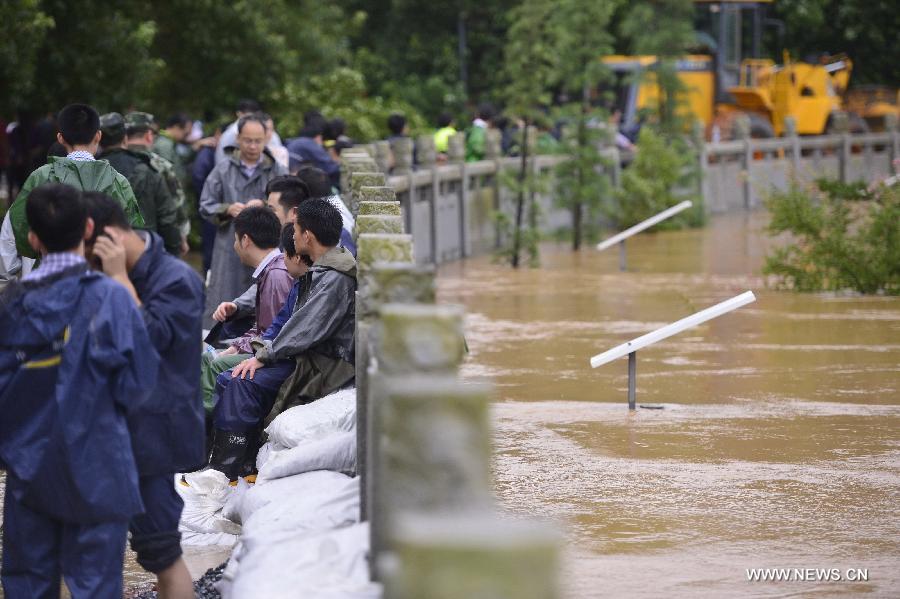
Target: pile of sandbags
301	535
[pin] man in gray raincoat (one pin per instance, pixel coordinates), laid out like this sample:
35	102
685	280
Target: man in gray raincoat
233	185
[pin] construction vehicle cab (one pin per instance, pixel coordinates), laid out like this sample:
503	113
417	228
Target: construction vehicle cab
727	75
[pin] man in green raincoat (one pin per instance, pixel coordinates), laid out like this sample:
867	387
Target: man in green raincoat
79	133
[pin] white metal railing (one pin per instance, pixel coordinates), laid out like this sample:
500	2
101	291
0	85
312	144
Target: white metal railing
631	347
641	226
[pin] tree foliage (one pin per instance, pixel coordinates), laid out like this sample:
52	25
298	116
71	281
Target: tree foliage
582	183
838	241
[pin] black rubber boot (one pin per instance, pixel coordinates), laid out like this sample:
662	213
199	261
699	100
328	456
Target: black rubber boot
229	452
254	442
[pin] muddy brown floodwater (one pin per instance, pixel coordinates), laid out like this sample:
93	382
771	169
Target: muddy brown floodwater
778	445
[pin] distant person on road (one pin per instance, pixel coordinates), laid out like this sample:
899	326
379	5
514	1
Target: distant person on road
309	148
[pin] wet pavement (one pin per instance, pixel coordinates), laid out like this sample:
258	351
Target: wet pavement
778	445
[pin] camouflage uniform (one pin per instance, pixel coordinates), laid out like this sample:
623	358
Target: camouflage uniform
152	179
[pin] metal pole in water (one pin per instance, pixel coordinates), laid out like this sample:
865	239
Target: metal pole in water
632	379
622	264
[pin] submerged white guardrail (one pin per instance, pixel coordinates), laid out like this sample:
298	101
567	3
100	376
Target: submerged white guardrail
631	347
641	226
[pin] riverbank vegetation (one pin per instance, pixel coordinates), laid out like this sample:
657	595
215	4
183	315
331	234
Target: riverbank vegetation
841	237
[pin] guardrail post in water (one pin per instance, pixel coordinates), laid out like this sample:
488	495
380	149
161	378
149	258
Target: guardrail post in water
631	348
619	238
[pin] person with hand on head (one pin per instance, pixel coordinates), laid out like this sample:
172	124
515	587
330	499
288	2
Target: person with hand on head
233	185
79	133
168	429
257	235
76	363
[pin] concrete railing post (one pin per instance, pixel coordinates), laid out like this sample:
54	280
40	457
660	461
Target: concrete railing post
742	132
790	133
426	155
892	126
371	249
402	149
383	155
456	148
472	555
359	180
841	125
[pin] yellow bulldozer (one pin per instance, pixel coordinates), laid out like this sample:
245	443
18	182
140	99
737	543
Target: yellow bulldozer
727	77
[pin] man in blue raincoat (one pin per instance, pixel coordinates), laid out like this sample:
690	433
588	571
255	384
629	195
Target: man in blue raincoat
75	360
168	430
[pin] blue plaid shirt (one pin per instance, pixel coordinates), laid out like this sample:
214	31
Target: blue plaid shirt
54	263
81	156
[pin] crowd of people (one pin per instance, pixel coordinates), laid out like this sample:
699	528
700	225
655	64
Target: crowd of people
121	367
108	389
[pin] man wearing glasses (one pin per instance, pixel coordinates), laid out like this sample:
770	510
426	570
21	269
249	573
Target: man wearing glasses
233	185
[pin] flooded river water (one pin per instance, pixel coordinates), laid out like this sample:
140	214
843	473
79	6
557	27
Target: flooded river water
778	445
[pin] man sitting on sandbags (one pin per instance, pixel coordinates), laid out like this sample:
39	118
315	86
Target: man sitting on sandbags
312	355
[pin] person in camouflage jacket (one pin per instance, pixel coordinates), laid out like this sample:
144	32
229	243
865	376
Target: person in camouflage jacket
152	177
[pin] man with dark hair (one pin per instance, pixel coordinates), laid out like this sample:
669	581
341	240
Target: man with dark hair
320	187
176	133
476	136
257	235
233	185
79	132
76	364
168	430
445	131
152	177
314	349
308	147
397	126
230	134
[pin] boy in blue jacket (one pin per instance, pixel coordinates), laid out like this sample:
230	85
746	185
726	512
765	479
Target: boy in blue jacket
168	430
75	360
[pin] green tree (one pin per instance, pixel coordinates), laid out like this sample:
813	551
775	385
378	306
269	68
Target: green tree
864	30
584	37
23	28
531	64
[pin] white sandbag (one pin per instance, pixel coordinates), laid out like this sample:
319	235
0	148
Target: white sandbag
333	413
314	500
324	565
232	508
203	500
335	452
262	456
206	539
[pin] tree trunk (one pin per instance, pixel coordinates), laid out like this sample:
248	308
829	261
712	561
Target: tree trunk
520	205
578	207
